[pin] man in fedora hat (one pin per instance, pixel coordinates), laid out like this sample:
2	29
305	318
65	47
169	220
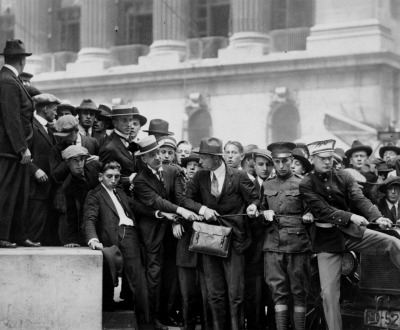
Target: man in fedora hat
224	190
65	108
119	146
358	154
389	204
160	187
86	111
342	212
16	132
102	123
248	160
158	128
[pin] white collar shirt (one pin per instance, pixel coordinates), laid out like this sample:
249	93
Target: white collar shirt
390	205
78	141
123	219
124	138
220	173
83	131
42	121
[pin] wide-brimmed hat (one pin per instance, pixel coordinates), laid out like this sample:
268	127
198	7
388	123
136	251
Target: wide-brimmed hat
136	114
298	154
262	153
45	99
66	104
87	104
65	125
193	157
358	146
15	47
248	150
147	144
392	180
390	146
281	149
105	115
381	165
159	127
211	146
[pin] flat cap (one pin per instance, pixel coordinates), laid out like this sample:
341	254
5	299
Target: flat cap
281	149
45	99
169	141
262	153
390	181
74	151
65	125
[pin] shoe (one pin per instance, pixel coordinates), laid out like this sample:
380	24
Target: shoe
158	325
29	243
7	245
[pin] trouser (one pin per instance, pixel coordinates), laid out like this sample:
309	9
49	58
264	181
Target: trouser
153	276
38	210
329	265
225	279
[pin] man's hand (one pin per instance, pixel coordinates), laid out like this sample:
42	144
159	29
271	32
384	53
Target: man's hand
92	158
177	230
188	215
96	245
384	222
169	216
71	245
359	220
210	214
251	211
26	156
308	218
40	176
269	215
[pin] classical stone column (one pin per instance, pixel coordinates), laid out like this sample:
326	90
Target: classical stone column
354	26
170	30
98	25
250	26
32	24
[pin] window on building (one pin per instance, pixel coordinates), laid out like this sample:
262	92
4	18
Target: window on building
209	18
199	126
136	24
287	14
69	20
6	27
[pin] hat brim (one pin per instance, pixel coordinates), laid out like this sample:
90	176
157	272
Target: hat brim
142	119
387	148
78	109
139	153
384	186
61	134
186	160
351	151
17	54
207	153
305	162
158	132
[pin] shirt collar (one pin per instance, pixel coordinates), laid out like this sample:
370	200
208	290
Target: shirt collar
40	119
160	169
390	204
8	66
108	190
260	181
219	171
124	136
78	139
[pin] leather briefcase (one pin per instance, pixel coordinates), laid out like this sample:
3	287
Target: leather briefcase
209	239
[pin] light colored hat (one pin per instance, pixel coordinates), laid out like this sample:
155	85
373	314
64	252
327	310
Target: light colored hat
74	151
169	141
319	147
147	144
262	153
65	125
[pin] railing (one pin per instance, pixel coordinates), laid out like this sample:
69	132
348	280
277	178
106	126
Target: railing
287	40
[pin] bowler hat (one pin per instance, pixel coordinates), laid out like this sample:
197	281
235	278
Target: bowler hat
15	47
114	261
66	104
211	146
390	146
45	98
281	149
65	125
148	144
193	157
298	154
392	180
358	146
87	104
159	127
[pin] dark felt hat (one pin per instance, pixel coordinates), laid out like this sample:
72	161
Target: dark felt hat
87	104
390	146
136	114
32	91
26	76
105	115
193	157
358	146
15	47
299	155
211	146
248	150
381	165
392	180
159	127
114	261
304	148
66	104
281	149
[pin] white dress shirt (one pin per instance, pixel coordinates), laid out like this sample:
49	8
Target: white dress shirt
123	219
42	121
220	173
390	205
124	138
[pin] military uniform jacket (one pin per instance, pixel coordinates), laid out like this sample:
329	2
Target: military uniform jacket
286	234
334	197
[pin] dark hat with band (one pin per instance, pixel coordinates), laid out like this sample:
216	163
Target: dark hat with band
358	146
159	127
211	146
390	146
390	181
15	47
281	149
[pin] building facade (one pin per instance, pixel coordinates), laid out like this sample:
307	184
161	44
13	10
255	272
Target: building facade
256	71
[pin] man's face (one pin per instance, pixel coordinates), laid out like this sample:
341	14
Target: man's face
50	112
100	125
192	168
392	193
135	128
64	112
153	159
389	155
358	159
263	167
110	178
182	151
76	165
123	124
297	167
167	154
322	163
208	162
232	156
283	166
86	118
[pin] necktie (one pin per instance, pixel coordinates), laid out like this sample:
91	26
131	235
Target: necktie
87	132
161	176
214	186
50	125
394	213
120	201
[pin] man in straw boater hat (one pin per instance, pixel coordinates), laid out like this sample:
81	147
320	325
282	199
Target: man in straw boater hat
118	146
287	256
358	154
336	201
224	191
160	187
16	131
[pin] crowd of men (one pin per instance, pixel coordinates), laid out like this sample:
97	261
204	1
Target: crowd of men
79	176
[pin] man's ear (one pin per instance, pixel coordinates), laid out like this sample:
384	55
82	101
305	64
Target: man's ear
100	177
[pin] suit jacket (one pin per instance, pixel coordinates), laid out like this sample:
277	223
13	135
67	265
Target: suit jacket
101	219
16	113
42	143
386	212
167	198
237	192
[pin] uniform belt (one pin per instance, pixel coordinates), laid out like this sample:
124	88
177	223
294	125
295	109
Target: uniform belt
324	225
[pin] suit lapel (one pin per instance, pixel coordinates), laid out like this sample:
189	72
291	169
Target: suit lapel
108	200
42	131
227	183
153	182
122	147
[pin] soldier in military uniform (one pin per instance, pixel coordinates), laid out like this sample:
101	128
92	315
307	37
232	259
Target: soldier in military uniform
286	244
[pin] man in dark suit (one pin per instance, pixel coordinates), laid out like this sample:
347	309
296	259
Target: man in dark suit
224	191
102	123
389	204
16	112
41	183
160	187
